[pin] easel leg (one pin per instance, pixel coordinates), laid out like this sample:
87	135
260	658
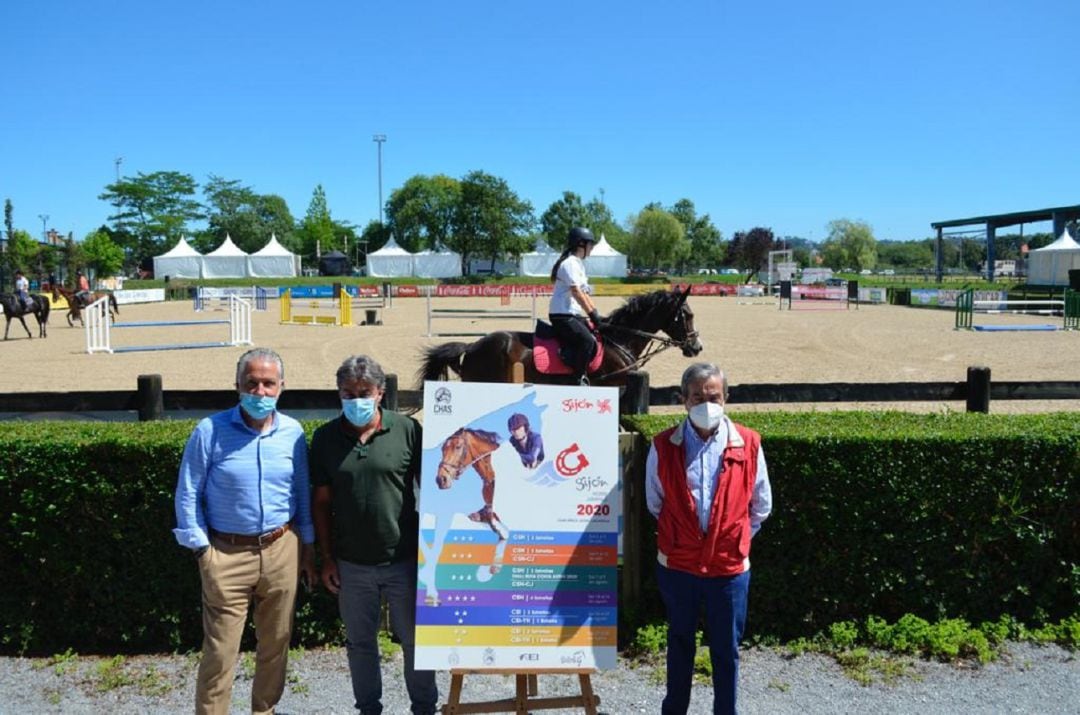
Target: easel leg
587	693
521	694
454	700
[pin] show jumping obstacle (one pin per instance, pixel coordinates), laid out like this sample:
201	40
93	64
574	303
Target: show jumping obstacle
341	306
211	298
1068	307
475	314
99	339
800	297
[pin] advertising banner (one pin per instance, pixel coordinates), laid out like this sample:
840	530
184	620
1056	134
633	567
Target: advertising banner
469	291
518	527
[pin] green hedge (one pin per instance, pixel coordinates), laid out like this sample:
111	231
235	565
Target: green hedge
883	514
877	514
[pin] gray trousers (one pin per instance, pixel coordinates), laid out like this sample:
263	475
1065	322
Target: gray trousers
359	602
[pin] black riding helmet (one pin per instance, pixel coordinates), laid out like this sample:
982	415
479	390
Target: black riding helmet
579	236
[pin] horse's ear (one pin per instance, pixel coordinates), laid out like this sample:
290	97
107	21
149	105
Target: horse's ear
685	294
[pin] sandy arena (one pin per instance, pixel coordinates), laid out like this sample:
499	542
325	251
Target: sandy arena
753	343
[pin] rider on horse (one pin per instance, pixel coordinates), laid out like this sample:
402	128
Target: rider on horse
571	303
82	288
22	289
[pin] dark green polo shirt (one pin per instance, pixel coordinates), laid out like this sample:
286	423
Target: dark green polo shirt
373	487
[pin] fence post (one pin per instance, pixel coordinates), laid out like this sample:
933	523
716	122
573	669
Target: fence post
635	400
390	396
978	389
632	457
150	400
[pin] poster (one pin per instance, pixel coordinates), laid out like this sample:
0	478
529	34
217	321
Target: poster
519	520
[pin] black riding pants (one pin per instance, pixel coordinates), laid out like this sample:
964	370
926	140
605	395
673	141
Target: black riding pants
576	341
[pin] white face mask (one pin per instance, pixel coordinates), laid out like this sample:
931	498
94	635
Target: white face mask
707	415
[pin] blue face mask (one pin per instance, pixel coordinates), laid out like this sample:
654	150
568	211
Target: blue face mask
257	406
359	411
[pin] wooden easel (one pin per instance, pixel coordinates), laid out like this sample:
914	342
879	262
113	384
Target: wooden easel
525	699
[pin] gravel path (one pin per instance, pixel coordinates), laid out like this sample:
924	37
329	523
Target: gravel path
1026	679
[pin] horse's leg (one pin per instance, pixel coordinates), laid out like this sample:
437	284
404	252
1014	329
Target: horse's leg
22	319
8	327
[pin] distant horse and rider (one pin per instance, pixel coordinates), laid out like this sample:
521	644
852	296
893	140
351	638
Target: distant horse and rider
15	307
78	300
626	340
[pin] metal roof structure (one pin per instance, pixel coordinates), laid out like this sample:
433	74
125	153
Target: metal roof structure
1060	215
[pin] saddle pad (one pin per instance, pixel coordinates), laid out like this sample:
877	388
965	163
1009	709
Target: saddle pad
547	360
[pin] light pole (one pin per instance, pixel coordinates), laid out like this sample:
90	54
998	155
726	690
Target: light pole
118	162
379	139
44	220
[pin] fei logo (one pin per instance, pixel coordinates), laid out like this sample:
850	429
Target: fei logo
442	402
563	465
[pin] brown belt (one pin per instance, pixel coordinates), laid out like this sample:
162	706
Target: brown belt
260	540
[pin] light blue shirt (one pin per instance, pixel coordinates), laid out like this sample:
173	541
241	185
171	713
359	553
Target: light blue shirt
704	461
239	481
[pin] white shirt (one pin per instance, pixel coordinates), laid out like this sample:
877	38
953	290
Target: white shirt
22	284
571	273
705	457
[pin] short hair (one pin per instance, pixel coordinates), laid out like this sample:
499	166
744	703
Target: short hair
361	368
517	420
701	371
256	355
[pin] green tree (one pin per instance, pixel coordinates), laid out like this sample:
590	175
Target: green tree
850	244
102	255
317	229
73	258
152	211
657	239
247	217
603	223
420	214
22	251
562	215
706	242
908	256
490	220
749	250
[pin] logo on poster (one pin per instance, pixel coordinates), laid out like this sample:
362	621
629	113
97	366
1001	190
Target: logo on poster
563	465
442	402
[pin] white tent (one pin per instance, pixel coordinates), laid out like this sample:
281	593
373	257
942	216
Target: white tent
1050	265
273	261
225	261
538	262
605	261
440	263
390	261
182	261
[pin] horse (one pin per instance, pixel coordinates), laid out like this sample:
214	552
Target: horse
14	308
466	448
627	334
76	302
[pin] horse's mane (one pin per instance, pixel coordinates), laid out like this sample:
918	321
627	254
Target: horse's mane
485	435
634	310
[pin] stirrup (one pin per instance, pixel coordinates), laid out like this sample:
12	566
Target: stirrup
583	380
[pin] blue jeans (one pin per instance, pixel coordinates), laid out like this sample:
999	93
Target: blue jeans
359	602
724	598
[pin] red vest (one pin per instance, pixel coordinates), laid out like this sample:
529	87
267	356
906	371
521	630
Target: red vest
723	550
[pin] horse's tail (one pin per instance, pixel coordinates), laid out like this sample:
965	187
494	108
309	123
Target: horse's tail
113	304
46	306
437	359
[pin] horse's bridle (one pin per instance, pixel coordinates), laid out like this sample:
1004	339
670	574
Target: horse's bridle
459	469
652	349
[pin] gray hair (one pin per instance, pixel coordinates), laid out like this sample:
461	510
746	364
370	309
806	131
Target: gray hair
257	355
701	371
362	368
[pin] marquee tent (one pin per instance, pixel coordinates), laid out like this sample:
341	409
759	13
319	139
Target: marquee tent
390	261
1049	265
334	263
225	261
182	261
605	261
538	262
273	261
440	263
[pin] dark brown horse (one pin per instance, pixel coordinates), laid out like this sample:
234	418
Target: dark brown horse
14	308
77	301
630	335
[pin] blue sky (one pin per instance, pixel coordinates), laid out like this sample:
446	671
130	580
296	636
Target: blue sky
783	114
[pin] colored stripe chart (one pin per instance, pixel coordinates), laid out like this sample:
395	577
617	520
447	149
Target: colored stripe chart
519	527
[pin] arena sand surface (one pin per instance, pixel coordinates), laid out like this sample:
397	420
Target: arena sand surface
753	343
